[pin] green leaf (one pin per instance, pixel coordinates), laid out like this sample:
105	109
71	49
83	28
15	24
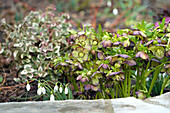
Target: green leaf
100	29
1	78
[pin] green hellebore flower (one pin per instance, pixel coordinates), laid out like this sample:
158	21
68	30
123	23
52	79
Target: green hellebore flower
80	53
158	51
83	41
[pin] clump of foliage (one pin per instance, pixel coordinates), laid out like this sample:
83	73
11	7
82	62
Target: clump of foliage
31	44
103	65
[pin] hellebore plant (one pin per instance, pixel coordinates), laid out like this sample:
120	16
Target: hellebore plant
109	65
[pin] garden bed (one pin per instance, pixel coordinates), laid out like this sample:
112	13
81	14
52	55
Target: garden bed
43	58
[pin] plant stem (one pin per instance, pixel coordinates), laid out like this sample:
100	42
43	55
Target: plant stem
129	81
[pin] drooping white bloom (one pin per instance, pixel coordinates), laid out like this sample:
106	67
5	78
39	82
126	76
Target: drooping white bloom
136	72
115	11
39	84
39	91
109	3
52	98
28	87
56	88
61	89
147	78
43	90
66	90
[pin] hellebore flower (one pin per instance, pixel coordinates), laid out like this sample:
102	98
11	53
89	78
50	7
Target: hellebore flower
140	33
95	77
117	43
89	86
93	40
83	41
63	66
81	54
158	51
142	55
103	67
100	55
130	62
140	95
106	43
118	76
126	43
82	79
168	53
122	55
155	62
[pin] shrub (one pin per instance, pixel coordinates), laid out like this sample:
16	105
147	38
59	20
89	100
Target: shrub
38	38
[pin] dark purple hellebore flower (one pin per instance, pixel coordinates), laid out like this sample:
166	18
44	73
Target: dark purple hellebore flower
60	64
100	55
119	76
168	54
122	55
89	86
107	43
142	55
105	66
130	62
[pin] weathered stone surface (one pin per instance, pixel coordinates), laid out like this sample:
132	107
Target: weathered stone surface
68	106
159	104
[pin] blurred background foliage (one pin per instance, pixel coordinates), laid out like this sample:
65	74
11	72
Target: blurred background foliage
94	12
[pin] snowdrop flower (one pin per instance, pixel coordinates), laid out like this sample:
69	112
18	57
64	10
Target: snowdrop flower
43	90
109	3
39	84
52	98
164	74
28	86
66	90
61	89
115	11
136	72
39	91
56	88
147	79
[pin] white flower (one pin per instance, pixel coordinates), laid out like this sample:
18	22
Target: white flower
147	79
43	90
109	3
39	91
136	72
39	84
55	88
28	87
66	90
164	75
61	89
115	11
52	98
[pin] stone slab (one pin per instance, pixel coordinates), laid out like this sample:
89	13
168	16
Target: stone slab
159	104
